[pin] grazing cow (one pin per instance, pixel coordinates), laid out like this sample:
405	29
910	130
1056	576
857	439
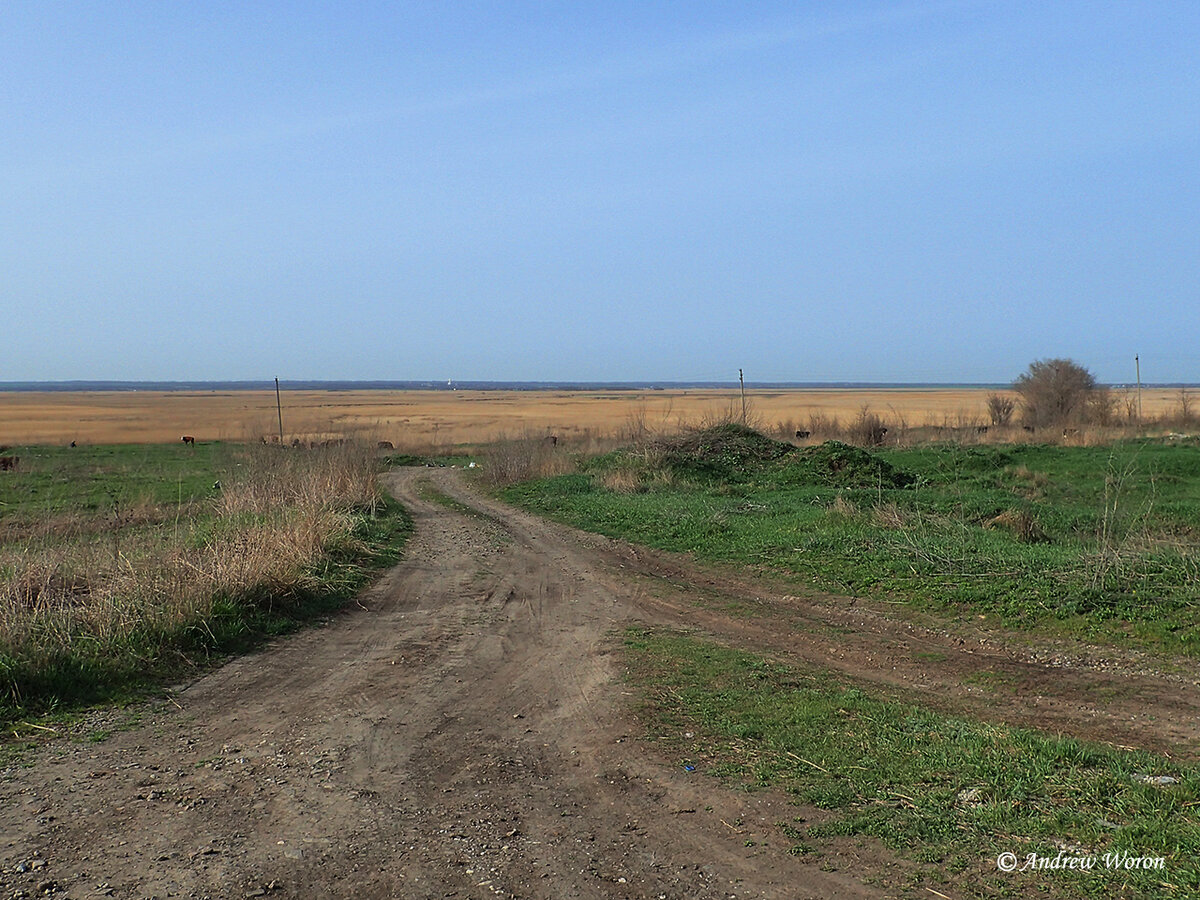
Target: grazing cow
9	463
188	439
386	445
72	443
801	435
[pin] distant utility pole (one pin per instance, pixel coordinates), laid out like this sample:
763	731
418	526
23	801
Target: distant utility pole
742	382
279	409
1138	364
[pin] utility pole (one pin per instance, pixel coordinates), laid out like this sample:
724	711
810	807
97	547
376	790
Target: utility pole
742	382
1138	364
279	409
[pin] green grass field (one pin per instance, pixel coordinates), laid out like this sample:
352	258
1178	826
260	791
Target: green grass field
1099	542
950	793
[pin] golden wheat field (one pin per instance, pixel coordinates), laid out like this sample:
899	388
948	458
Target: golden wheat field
446	418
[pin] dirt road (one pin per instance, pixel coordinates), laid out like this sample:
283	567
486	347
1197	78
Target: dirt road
464	734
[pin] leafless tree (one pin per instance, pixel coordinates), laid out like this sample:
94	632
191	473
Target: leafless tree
1000	408
1186	412
1054	392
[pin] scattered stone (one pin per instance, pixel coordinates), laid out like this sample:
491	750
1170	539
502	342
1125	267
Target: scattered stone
971	797
1155	779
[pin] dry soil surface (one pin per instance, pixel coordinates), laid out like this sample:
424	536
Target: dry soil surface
463	732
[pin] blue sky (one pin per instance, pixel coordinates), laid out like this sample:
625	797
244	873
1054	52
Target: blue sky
609	191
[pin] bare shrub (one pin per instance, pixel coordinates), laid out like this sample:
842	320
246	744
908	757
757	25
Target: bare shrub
729	414
636	431
1101	407
867	429
898	431
1130	406
1185	412
823	426
1000	409
1054	393
507	461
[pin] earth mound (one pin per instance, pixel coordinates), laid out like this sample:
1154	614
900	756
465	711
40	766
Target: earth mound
845	465
723	452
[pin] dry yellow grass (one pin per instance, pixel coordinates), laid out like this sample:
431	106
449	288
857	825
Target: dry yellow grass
446	418
118	598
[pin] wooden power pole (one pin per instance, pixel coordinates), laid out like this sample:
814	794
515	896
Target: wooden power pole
279	410
742	382
1138	365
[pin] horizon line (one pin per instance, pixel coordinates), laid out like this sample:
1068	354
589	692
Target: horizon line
116	385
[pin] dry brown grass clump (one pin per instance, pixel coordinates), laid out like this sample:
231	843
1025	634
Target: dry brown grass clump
867	429
843	508
91	593
1019	524
889	515
510	460
622	481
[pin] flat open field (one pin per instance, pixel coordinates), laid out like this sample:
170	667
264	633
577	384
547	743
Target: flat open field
456	417
486	721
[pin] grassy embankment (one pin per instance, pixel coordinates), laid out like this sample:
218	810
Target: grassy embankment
1098	542
1089	542
122	567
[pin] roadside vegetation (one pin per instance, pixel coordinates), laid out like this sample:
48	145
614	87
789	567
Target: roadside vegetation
951	793
122	567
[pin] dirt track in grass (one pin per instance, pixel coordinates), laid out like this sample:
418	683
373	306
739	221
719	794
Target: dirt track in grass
463	732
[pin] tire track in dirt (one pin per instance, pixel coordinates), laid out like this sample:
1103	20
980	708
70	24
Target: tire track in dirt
463	734
1101	694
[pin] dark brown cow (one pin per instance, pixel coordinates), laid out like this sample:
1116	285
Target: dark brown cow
9	463
801	435
188	439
